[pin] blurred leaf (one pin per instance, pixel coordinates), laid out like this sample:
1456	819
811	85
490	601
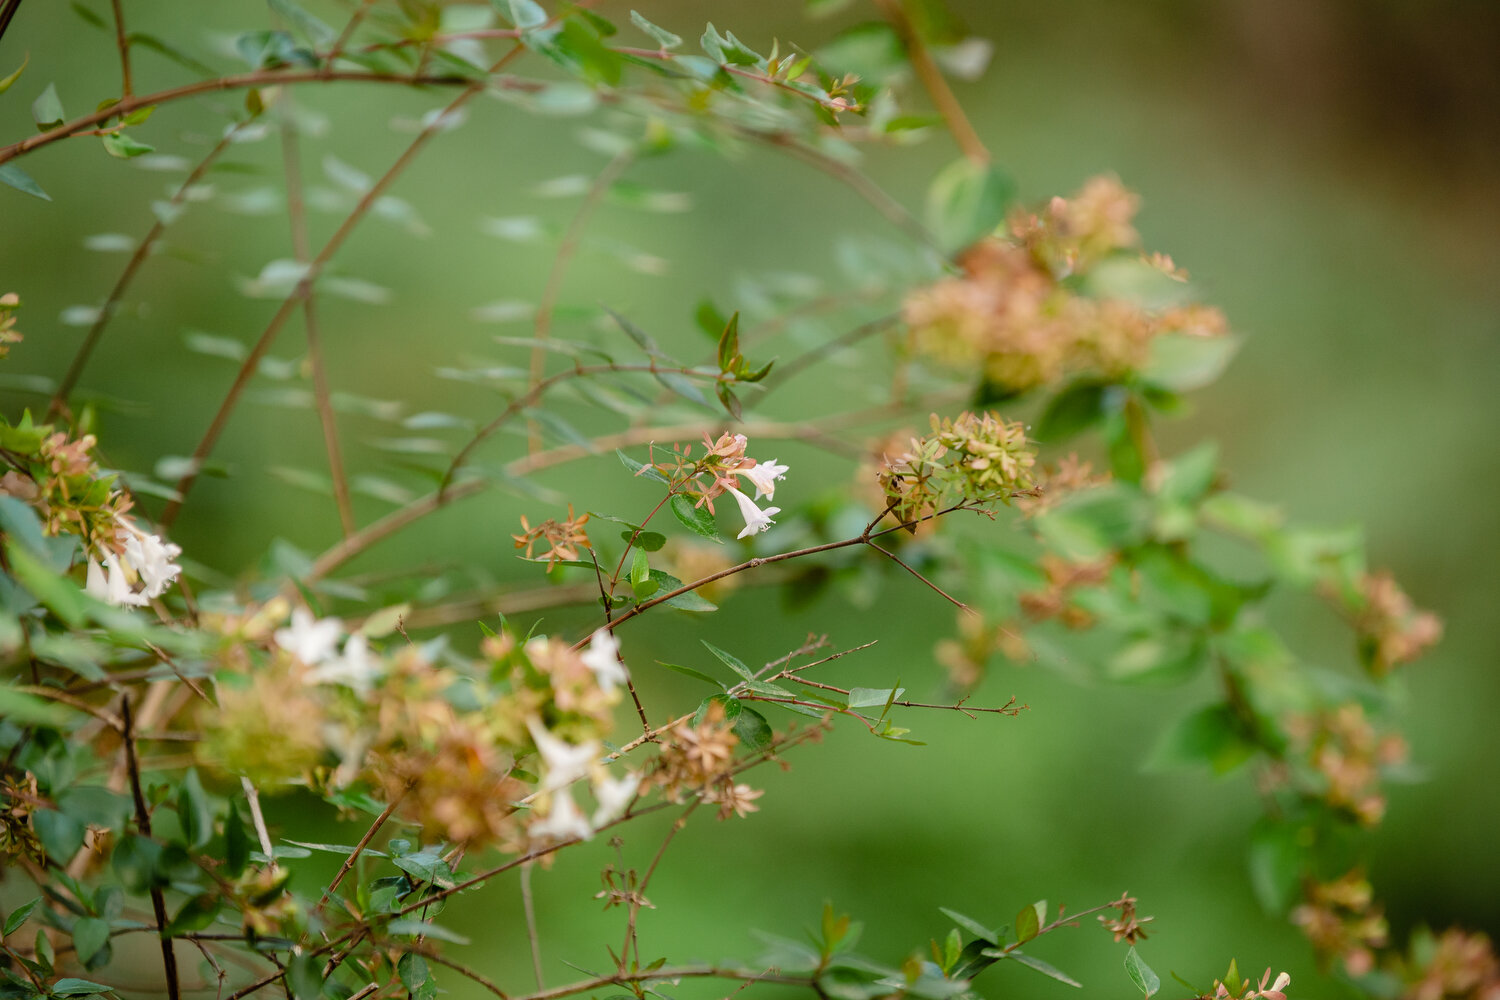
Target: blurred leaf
6	82
314	30
966	201
21	181
690	601
61	835
1182	362
690	672
862	697
71	987
1030	920
123	146
423	928
195	914
1211	736
1277	860
47	109
661	36
1044	968
733	662
193	810
18	917
1077	408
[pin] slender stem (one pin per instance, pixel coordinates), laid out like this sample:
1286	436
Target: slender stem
781	373
638	896
529	905
933	82
143	823
566	250
342	42
123	44
258	820
142	251
359	848
297	216
236	81
7	11
315	268
939	590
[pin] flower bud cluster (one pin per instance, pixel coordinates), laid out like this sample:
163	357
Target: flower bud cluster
1341	920
972	459
1454	965
1346	754
475	754
1017	314
1391	629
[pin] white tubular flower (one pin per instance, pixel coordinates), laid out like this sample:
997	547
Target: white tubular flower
563	822
764	475
150	557
755	518
111	587
613	796
603	658
356	668
310	640
565	762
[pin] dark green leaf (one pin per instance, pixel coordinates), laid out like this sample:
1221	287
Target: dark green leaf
732	708
971	925
193	811
696	519
304	976
18	917
729	344
640	468
1072	411
413	970
60	834
689	601
195	914
1277	860
89	935
752	729
1212	735
78	987
236	843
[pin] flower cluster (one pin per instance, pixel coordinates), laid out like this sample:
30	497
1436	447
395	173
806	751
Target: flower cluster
971	459
563	539
9	303
1345	752
1252	990
698	759
59	478
719	471
1391	630
1016	312
1341	920
473	754
1453	966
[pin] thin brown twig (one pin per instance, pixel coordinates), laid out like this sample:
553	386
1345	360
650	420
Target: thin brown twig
123	44
315	267
638	895
359	848
258	820
143	823
572	238
322	397
934	83
918	574
142	251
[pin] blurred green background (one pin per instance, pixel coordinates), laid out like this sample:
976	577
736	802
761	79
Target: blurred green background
1328	170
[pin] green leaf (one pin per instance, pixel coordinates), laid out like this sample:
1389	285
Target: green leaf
60	834
195	914
752	728
690	672
732	708
1277	859
89	935
696	519
5	82
1140	973
640	568
733	662
423	928
78	987
29	710
1029	921
312	29
1044	968
428	866
59	594
414	971
236	843
971	925
1211	735
1182	362
861	697
21	181
522	13
304	976
18	917
47	110
689	601
193	810
682	386
729	344
640	468
967	201
122	146
1070	412
662	36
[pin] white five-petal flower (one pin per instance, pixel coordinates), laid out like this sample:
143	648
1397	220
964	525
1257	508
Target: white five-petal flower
764	475
563	821
613	796
355	668
603	658
108	583
308	639
151	558
755	518
565	762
